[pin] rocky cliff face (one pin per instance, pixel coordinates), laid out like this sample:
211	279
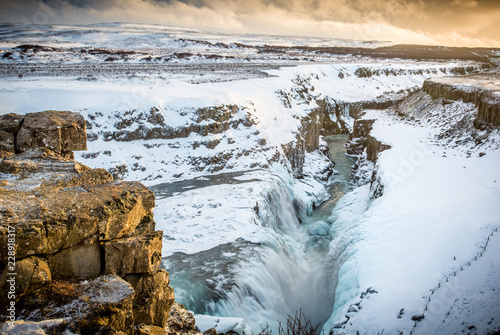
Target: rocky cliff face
61	132
463	109
308	138
360	139
482	90
77	246
367	148
137	125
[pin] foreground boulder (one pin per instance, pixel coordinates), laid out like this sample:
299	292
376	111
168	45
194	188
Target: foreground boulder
61	132
181	321
103	305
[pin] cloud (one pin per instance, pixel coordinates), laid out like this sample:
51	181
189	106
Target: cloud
400	21
465	3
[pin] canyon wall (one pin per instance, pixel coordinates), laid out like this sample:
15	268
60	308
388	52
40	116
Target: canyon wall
482	90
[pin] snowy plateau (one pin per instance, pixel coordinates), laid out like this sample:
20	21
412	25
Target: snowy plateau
243	139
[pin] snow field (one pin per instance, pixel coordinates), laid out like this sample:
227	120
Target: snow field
439	205
394	244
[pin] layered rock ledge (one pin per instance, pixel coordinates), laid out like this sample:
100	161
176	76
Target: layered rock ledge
78	249
481	89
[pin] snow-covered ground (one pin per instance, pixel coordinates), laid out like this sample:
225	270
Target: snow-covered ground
417	249
126	42
227	200
143	36
116	106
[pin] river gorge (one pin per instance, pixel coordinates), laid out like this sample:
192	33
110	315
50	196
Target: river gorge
258	213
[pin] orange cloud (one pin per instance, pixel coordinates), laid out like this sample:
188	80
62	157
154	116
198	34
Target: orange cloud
400	21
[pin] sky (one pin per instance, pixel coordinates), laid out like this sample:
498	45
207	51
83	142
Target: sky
469	23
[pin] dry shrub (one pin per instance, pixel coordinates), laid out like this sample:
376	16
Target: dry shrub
295	325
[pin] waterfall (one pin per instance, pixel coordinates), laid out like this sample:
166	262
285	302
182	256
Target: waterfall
285	276
283	271
261	282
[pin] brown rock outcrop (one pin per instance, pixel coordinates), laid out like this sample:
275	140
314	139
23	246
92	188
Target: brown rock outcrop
181	321
39	160
312	126
374	147
133	255
295	153
32	272
63	217
151	124
100	306
111	301
154	297
61	132
362	128
9	126
67	222
360	139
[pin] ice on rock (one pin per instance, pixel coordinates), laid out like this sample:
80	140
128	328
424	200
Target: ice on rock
221	324
320	228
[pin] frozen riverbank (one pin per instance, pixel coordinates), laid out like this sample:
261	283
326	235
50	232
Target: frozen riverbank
439	205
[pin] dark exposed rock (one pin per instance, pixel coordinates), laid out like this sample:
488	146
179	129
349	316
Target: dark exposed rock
9	126
143	329
82	260
111	299
31	273
134	255
295	153
61	217
374	147
362	128
361	140
314	125
99	306
368	291
53	326
154	298
39	160
216	113
33	48
152	125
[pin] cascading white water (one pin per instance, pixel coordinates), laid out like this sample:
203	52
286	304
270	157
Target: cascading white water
263	282
284	277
